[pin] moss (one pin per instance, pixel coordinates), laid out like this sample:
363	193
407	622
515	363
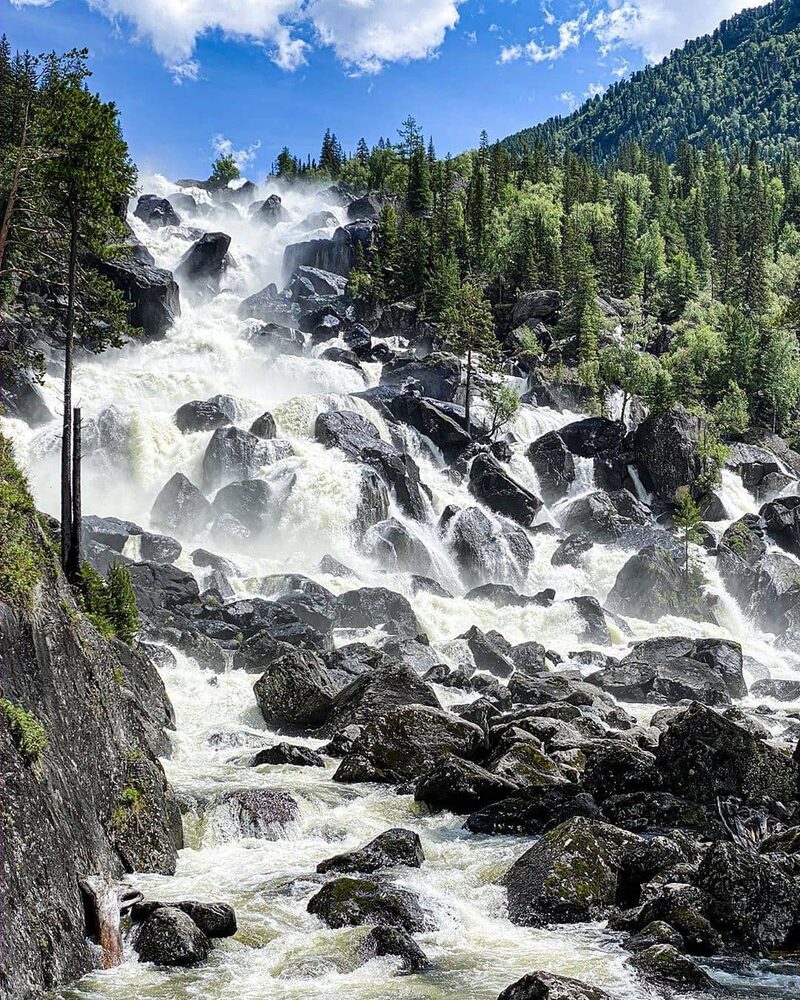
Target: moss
22	556
129	807
26	731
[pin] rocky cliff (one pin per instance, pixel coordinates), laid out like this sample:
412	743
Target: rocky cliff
82	790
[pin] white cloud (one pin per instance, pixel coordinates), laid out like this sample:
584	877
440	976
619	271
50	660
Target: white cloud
242	157
656	27
547	14
471	36
595	89
567	97
510	53
569	35
364	34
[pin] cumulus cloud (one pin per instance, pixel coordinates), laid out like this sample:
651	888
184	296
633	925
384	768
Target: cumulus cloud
364	34
243	158
567	97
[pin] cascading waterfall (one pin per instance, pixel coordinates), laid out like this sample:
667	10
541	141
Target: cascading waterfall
128	399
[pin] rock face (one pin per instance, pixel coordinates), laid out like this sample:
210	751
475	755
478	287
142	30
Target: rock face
546	986
489	482
295	689
554	465
152	292
181	506
120	816
652	584
204	261
666	451
337	253
569	876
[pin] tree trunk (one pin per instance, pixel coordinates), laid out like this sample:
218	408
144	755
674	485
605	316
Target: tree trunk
66	435
15	181
468	391
74	567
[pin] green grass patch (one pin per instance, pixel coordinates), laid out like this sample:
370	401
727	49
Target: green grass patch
22	556
26	731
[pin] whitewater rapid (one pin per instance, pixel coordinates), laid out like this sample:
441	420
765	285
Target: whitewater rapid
280	950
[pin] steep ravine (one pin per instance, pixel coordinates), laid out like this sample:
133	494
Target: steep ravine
129	399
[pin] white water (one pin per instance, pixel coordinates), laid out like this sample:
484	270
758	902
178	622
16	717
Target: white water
280	950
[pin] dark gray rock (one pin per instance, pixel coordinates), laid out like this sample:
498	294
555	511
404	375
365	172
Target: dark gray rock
438	375
491	484
200	415
460	786
394	941
349	902
666	449
170	937
371	607
295	690
152	292
664	966
546	986
204	262
393	848
287	753
156	212
234	454
180	506
554	465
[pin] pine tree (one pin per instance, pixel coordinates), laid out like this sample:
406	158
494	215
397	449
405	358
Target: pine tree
418	190
223	170
123	610
469	331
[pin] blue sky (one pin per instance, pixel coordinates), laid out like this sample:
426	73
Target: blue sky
253	75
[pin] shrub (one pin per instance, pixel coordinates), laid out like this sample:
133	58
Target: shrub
26	731
21	557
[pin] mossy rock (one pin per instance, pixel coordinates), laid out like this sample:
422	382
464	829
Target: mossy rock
349	902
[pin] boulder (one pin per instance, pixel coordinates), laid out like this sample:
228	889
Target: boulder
546	986
664	966
704	756
215	920
569	876
264	427
484	553
394	546
593	436
373	607
666	451
438	376
200	415
204	262
156	212
570	550
158	586
781	520
336	253
318	220
487	654
256	813
664	682
405	743
21	398
607	517
460	786
554	465
368	206
588	612
543	304
349	902
652	584
288	753
492	485
233	454
295	689
751	900
251	502
151	291
377	691
170	937
159	548
391	849
271	211
545	810
382	940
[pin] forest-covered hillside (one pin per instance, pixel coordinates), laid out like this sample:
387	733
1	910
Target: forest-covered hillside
741	82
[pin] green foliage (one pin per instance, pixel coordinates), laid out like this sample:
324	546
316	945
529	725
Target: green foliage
732	414
122	608
688	521
22	557
723	87
224	169
128	809
26	731
504	403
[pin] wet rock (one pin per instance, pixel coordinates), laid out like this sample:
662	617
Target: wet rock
704	756
588	612
617	768
543	811
371	607
666	449
664	966
554	465
485	554
751	901
152	292
487	654
781	520
20	397
252	504
438	375
391	849
336	253
158	585
396	548
406	742
652	584
780	690
569	876
593	436
460	786
393	941
442	423
255	812
180	506
295	689
159	548
215	920
378	691
348	902
491	484
204	262
264	426
200	415
288	753
502	595
156	212
546	986
664	682
656	932
170	937
570	550
235	454
607	517
654	812
271	212
542	304
527	769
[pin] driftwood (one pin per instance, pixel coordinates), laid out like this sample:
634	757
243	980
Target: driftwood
104	901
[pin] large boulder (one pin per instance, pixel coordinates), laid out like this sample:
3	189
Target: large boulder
546	986
204	262
652	584
390	849
337	253
663	682
569	876
254	813
405	743
554	465
703	756
607	517
490	483
151	291
593	436
382	940
349	902
664	966
396	548
368	206
271	211
781	520
20	397
460	786
373	607
377	691
543	304
438	375
201	415
295	690
170	937
215	920
156	212
233	454
666	450
483	552
158	585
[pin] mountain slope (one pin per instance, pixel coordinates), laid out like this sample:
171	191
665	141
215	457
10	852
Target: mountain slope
741	82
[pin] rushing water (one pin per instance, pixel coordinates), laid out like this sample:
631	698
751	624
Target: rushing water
281	951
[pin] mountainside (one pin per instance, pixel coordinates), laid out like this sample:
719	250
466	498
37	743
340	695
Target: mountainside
741	82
